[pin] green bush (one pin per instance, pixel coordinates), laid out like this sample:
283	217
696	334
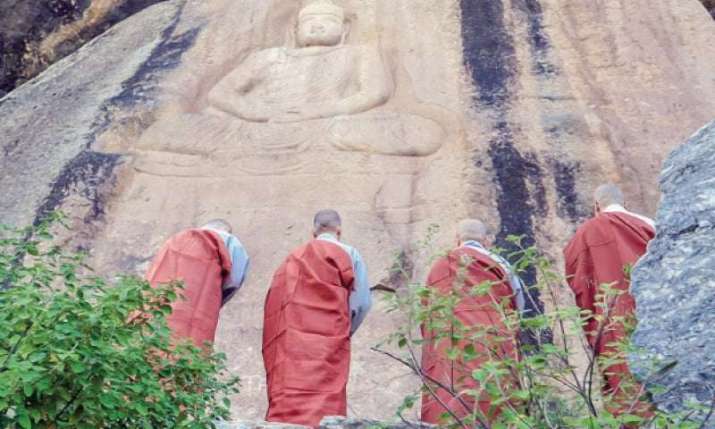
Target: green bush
545	387
78	351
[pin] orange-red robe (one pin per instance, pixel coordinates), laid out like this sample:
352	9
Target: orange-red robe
199	258
599	255
458	272
306	335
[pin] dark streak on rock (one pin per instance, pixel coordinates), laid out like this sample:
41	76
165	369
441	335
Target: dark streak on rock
85	174
534	174
141	88
165	57
511	176
564	172
119	13
568	202
512	173
490	59
488	50
687	230
89	170
538	39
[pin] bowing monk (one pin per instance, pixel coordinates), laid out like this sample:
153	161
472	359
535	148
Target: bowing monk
471	265
212	263
318	298
598	259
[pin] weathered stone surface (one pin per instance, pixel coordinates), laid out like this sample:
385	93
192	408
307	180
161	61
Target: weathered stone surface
509	111
49	123
674	284
36	33
343	423
328	423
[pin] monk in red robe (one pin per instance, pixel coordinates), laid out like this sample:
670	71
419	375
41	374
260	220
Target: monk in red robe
598	259
483	315
212	263
318	298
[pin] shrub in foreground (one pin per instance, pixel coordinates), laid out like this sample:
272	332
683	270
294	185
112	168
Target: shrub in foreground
78	351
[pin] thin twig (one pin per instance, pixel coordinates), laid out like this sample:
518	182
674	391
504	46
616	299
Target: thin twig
423	376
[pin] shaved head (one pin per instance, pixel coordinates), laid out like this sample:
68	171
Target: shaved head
325	221
472	229
219	224
608	194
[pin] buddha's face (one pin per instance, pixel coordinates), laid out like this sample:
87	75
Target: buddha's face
320	30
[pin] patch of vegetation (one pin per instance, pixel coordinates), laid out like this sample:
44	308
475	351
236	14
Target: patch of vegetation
497	381
80	351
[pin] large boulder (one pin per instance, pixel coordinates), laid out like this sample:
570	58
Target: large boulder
674	284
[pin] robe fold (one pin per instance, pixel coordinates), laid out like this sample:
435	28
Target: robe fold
600	254
199	258
306	335
458	272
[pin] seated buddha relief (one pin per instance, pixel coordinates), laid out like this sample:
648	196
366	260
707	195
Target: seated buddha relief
317	92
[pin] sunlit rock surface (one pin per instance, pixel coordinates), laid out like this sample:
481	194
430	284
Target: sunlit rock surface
421	113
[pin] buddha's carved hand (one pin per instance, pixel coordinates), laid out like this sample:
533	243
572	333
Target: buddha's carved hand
303	113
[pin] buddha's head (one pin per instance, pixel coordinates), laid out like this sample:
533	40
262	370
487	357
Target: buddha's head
320	23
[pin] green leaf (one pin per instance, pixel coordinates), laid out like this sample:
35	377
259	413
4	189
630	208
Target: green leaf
31	249
24	421
470	352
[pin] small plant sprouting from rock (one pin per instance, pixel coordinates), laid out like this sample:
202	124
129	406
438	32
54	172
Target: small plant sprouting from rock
551	383
78	351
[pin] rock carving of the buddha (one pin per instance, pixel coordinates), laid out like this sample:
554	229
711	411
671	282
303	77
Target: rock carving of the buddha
315	91
320	77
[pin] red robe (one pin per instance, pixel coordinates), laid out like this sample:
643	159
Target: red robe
478	312
306	335
598	254
199	258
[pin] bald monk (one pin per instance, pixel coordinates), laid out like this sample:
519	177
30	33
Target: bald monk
318	298
469	265
213	264
599	256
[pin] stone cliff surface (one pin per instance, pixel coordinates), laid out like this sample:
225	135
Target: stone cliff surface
36	33
674	284
507	110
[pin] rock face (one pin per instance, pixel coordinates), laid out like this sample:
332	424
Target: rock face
328	423
35	33
674	284
420	113
50	124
